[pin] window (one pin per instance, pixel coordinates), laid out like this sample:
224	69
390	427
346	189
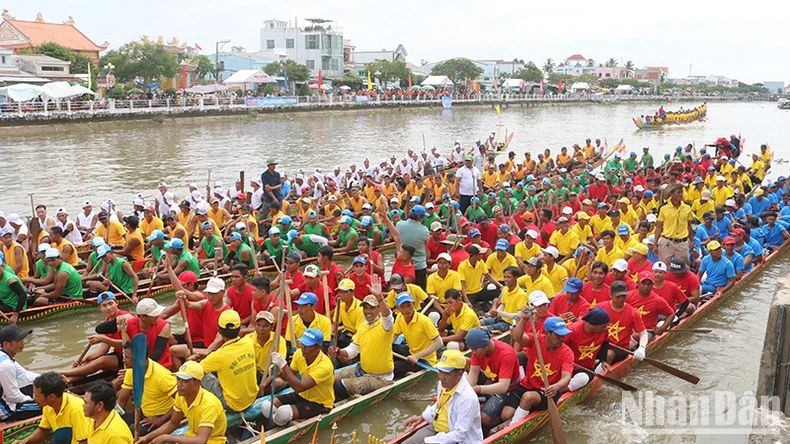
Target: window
311	41
335	65
269	44
310	64
326	41
52	68
608	75
325	63
289	43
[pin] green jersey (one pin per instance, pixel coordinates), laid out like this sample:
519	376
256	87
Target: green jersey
345	235
7	295
631	164
119	278
250	263
208	245
73	288
192	263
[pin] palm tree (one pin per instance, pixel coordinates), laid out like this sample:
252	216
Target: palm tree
629	68
611	63
548	66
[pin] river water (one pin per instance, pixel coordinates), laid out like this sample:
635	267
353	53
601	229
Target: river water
65	165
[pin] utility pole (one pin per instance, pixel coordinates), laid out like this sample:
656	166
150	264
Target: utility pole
216	59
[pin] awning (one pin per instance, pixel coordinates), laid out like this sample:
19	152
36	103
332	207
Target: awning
22	92
62	90
437	81
207	89
249	76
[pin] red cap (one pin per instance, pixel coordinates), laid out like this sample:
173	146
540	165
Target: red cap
729	240
738	232
463	221
187	277
646	275
150	208
241	195
377	188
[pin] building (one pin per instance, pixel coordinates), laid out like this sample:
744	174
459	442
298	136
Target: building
491	69
652	74
51	68
398	54
616	72
317	46
19	34
232	62
348	55
10	73
576	65
775	87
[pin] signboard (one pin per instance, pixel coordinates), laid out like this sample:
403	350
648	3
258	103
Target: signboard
362	99
271	101
447	101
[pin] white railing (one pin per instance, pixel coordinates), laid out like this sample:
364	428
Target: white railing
180	105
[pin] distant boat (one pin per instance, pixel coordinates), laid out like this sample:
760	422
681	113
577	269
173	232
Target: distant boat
783	104
701	115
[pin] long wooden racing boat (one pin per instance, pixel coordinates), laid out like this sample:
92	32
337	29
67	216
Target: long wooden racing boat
700	117
520	431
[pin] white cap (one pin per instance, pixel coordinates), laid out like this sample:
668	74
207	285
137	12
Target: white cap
214	285
651	240
256	180
162	184
149	307
14	218
639	188
169	196
52	253
538	298
193	185
552	251
651	218
367	206
429	205
728	203
445	256
436	225
720	179
660	266
87	203
620	265
42	248
506	185
138	202
196	195
705	194
567	210
532	233
217	184
63	210
394	199
600	176
332	197
307	200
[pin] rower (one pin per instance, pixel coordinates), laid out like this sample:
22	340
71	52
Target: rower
175	230
262	338
308	244
210	309
595	290
420	334
718	271
500	260
671	292
155	329
505	308
534	279
16	390
589	342
312	284
335	272
371	343
455	416
210	246
624	323
532	393
360	277
159	392
108	355
310	375
556	274
472	272
442	280
59	410
183	259
117	273
271	250
308	317
99	406
609	253
243	254
239	294
150	222
528	249
199	407
687	281
618	271
351	313
397	285
728	244
135	246
86	221
111	230
13	297
570	305
67	282
459	315
495	371
346	236
68	252
14	254
650	305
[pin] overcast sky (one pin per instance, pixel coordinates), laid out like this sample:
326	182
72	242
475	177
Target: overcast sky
749	41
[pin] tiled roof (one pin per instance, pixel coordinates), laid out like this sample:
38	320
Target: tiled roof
577	57
64	35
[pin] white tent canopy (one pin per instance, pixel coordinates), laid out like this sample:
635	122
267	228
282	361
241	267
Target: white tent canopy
249	76
580	85
22	92
624	88
62	90
437	81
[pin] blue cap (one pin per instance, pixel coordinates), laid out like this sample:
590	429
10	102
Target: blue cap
588	140
492	195
732	162
365	221
555	324
622	229
573	285
505	228
311	213
597	316
359	260
546	181
629	180
235	235
346	213
345	220
456	204
445	196
509	190
781	178
205	224
603	205
678	148
391	213
475	199
167	245
402	297
292	234
419	210
177	243
581	251
520	184
286	220
698	180
477	338
648	193
274	231
307	298
106	296
474	232
666	156
633	153
530	177
502	244
710	168
563	170
156	234
702	150
532	187
312	336
707	155
415	199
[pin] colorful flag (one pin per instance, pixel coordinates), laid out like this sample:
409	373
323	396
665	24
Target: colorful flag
198	47
285	78
541	86
409	81
320	77
370	83
495	85
90	82
523	85
498	110
444	86
620	147
559	86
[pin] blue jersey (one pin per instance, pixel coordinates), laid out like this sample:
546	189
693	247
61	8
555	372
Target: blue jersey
737	261
746	250
774	236
718	272
758	205
723	226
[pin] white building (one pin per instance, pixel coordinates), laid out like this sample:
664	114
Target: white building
576	65
317	46
398	54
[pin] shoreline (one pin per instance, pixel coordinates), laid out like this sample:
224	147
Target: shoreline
56	121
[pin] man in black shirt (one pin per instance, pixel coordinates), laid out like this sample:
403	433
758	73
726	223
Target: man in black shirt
271	185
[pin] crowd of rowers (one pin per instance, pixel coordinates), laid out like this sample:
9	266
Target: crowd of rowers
598	263
681	116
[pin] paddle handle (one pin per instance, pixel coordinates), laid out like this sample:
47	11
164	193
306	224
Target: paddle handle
554	414
136	423
187	333
115	287
153	278
82	355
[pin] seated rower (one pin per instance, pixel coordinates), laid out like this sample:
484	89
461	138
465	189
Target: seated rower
59	410
455	416
718	271
372	344
13	253
107	356
311	377
41	276
624	324
495	372
67	283
351	313
187	282
13	297
239	294
532	393
242	254
262	339
213	248
16	390
159	393
147	322
589	342
307	316
67	250
671	292
420	334
210	310
570	305
505	309
201	409
460	316
181	257
105	424
116	272
688	282
397	284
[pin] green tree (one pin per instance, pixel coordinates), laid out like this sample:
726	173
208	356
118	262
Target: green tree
268	89
460	70
296	72
611	63
531	65
567	79
349	79
609	83
204	66
529	74
591	79
629	68
517	60
52	49
304	90
146	60
548	67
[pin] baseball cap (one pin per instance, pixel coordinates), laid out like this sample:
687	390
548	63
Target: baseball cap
619	288
365	221
292	234
552	251
418	210
436	225
42	248
359	260
620	265
263	314
346	284
678	265
451	360
214	285
534	261
307	299
582	215
713	245
502	244
650	193
403	297
597	316
13	333
651	218
729	240
639	248
98	240
105	296
538	298
738	232
235	235
286	220
396	281
54	252
345	220
177	244
646	276
504	228
190	370
532	233
556	325
474	232
187	276
477	338
229	319
311	271
660	266
101	251
156	234
445	256
149	307
573	285
622	230
371	300
293	257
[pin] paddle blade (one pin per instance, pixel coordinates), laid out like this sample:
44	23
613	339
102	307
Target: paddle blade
673	371
62	436
557	434
139	365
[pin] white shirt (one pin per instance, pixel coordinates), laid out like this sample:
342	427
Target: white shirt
164	206
458	156
86	221
437	161
463	416
479	161
74	235
12	375
257	199
22	230
469	178
403	169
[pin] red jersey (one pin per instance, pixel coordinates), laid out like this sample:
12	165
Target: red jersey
622	324
634	268
211	321
599	191
596	297
687	283
627	279
361	285
374	256
195	319
489	233
133	328
547	228
403	270
240	302
560	305
459	255
331	277
320	307
649	307
585	346
556	362
503	364
670	293
434	249
117	334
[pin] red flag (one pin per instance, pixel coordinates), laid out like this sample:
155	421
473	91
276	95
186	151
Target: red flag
444	86
541	86
409	81
559	86
495	88
320	77
523	85
198	47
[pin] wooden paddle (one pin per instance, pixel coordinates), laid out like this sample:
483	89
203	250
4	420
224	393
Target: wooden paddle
615	382
283	294
660	365
326	291
139	365
84	352
554	414
153	277
187	333
115	287
689	330
337	330
420	363
276	342
428	304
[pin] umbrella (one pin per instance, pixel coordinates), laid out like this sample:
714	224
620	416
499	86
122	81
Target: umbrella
416	88
326	87
134	91
428	88
313	86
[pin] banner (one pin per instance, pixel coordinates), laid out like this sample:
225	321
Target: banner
271	101
447	101
362	99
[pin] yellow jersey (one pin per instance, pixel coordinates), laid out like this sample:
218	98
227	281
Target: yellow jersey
375	348
419	334
323	373
497	267
205	411
438	285
160	387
